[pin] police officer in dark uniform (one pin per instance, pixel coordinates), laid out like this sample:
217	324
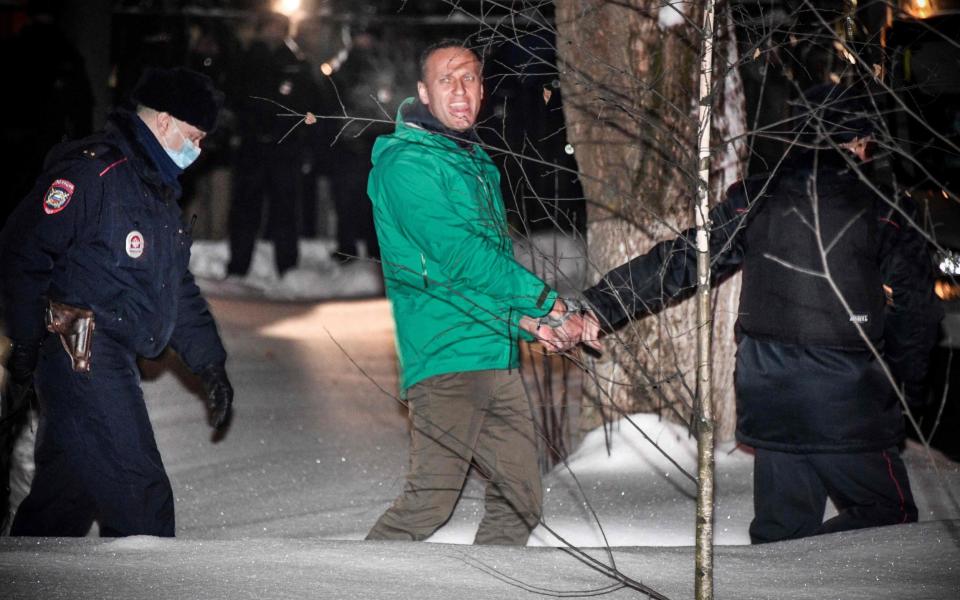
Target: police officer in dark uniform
268	167
813	399
98	250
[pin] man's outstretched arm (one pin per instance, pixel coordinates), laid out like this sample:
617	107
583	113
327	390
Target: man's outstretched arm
649	282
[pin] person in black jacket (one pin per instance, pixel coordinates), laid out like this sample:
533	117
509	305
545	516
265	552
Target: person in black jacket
98	246
837	289
268	167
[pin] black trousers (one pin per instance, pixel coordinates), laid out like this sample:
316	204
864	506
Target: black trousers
354	210
264	173
96	456
869	489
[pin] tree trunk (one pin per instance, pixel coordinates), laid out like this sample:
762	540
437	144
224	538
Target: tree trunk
703	411
629	73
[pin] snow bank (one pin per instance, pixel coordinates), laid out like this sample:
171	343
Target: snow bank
316	277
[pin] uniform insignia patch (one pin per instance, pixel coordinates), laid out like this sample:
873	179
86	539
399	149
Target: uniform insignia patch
58	196
135	244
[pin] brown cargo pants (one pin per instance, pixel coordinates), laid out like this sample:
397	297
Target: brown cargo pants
479	416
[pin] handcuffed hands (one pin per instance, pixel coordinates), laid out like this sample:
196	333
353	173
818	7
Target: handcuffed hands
219	394
564	327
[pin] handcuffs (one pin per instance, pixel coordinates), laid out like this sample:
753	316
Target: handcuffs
574	307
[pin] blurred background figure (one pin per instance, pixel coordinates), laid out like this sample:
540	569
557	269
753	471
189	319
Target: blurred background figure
525	113
317	38
212	49
268	171
360	81
47	99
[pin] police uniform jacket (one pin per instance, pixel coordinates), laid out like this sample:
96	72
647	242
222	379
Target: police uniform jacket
809	331
101	229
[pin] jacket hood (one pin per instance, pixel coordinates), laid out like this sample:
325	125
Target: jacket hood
414	112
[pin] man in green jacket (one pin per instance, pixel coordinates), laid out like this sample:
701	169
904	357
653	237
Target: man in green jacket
458	300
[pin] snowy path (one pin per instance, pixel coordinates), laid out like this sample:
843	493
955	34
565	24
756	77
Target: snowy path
316	451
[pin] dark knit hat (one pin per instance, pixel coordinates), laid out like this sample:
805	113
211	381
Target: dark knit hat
185	94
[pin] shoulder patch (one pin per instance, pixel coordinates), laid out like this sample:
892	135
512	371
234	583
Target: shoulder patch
58	196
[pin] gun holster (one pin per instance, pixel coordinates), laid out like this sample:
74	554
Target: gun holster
75	327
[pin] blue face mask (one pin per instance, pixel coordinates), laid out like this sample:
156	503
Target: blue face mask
188	152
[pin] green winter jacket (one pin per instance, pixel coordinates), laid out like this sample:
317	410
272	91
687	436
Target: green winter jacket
448	265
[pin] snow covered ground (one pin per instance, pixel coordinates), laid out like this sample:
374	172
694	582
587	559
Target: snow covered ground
278	507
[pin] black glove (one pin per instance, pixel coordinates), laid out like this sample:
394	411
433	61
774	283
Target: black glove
219	394
22	362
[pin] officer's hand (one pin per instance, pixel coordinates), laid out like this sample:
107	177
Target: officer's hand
590	334
22	362
219	394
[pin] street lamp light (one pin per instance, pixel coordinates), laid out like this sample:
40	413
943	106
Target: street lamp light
286	7
925	9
